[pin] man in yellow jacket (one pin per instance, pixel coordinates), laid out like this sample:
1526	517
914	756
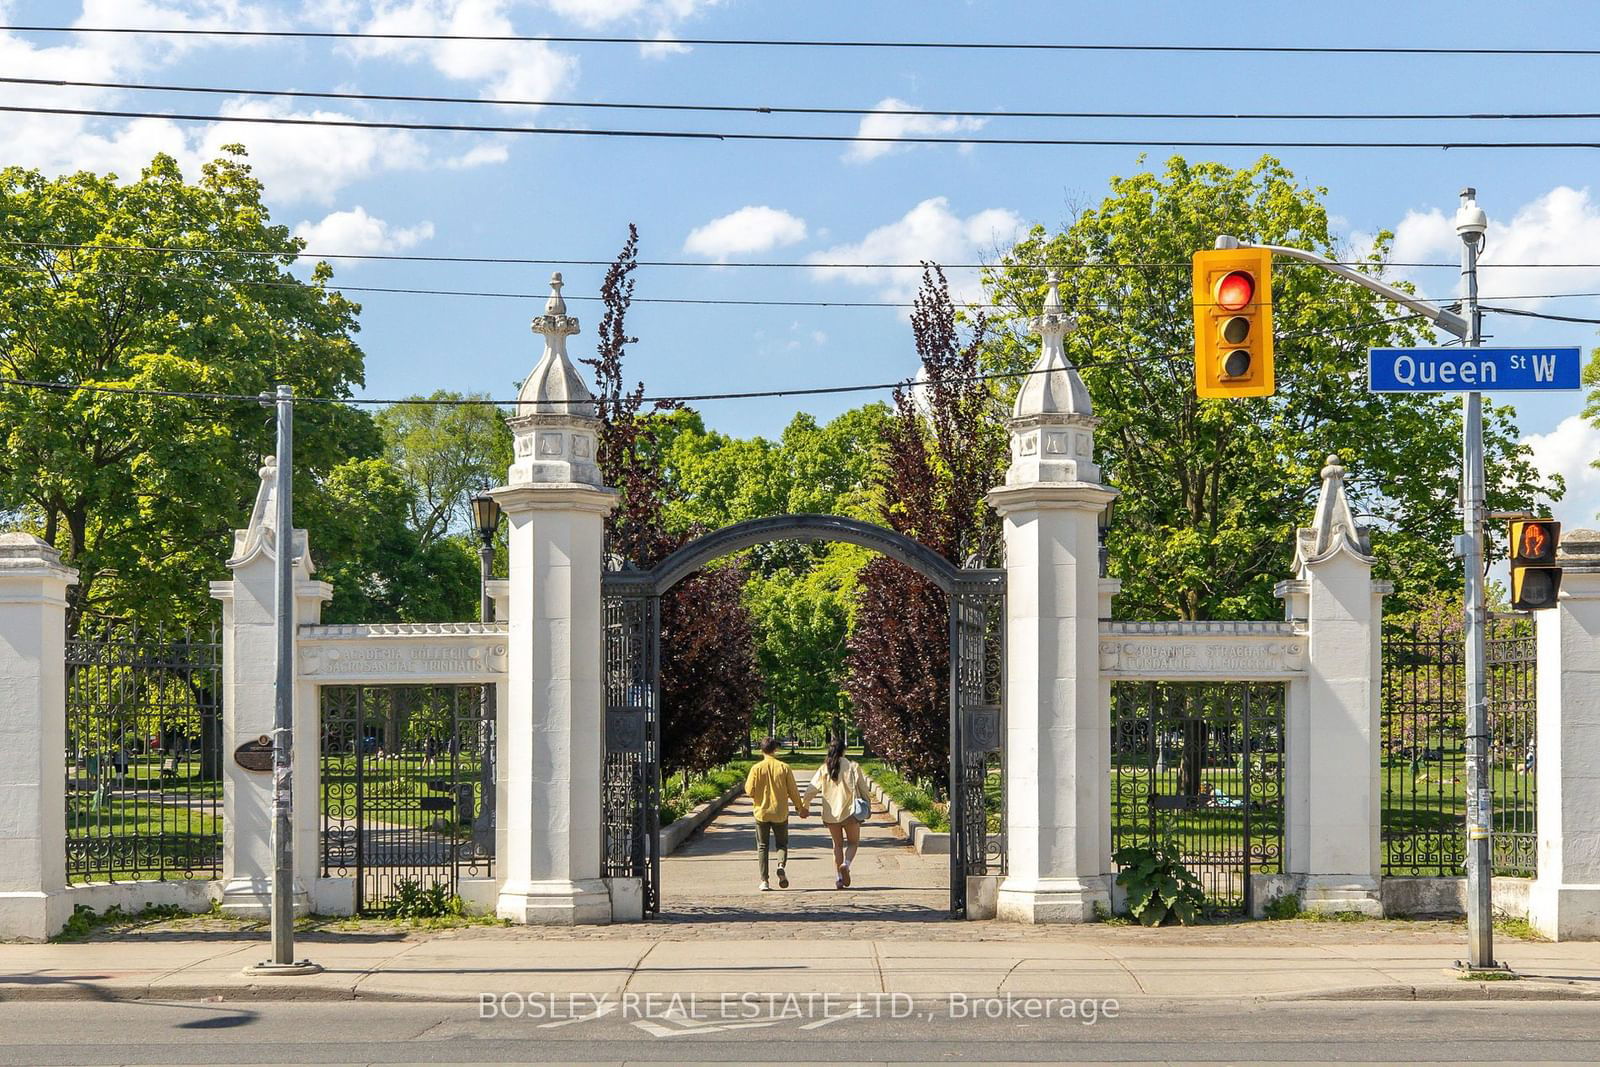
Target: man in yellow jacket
771	786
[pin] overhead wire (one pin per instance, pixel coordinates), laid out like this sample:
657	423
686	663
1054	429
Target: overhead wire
758	42
829	138
764	109
764	394
1083	264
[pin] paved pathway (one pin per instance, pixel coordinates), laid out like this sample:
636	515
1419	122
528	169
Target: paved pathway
713	876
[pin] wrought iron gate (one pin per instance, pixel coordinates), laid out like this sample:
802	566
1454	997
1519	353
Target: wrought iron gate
631	787
407	788
977	736
1202	764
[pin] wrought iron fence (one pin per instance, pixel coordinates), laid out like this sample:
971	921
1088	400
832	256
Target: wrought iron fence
1202	764
1423	751
144	755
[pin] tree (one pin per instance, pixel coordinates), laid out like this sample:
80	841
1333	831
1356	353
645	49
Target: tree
938	470
1212	489
709	682
447	450
140	492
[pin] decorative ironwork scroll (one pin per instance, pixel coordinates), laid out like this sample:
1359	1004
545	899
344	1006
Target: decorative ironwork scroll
977	802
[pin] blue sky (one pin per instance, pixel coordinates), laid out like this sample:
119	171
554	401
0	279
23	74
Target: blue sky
571	198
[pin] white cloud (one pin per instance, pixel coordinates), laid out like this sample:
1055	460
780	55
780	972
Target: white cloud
663	46
1562	226
910	124
355	232
505	70
750	229
305	163
597	13
929	231
1569	450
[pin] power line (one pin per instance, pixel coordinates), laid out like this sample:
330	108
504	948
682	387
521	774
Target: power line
831	138
1537	314
1090	264
765	394
737	302
757	109
991	46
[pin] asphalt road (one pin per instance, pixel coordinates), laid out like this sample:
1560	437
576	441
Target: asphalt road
87	1032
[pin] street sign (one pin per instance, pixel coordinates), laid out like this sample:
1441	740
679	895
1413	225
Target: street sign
1472	370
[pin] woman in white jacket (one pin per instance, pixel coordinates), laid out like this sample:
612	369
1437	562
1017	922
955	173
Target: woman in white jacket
843	789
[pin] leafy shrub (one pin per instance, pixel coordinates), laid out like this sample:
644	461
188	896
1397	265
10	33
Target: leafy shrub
1160	888
412	901
1283	906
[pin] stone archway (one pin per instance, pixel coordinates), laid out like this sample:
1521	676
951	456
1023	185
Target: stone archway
630	789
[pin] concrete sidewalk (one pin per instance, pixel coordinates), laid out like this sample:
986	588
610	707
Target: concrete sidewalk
1252	961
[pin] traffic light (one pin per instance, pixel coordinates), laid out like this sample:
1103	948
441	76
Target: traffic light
1233	322
1535	578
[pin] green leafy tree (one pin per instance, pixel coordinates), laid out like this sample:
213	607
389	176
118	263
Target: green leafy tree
709	682
1212	489
938	468
140	492
446	452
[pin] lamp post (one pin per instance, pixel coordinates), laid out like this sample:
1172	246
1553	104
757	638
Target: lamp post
486	519
1102	527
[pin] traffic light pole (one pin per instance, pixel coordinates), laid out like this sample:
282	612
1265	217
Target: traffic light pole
1471	225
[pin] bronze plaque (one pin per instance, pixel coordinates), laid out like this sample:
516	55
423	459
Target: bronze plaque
255	755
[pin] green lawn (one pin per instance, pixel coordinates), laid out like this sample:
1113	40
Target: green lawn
128	838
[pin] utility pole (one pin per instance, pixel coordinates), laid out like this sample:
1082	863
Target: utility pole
283	961
1471	225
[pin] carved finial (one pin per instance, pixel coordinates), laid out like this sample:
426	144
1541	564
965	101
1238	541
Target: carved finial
1334	526
1053	387
555	386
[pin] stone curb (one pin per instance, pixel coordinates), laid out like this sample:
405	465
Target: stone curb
924	841
672	837
289	990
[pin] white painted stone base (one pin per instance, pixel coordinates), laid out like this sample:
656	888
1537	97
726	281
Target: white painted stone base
582	903
251	898
1328	894
26	916
334	896
983	896
1053	900
1565	912
480	895
627	899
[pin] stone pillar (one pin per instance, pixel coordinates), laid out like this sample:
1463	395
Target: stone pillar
249	679
553	722
33	716
1333	798
1058	745
1564	902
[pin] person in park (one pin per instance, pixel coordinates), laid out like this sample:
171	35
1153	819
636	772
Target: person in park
772	787
845	807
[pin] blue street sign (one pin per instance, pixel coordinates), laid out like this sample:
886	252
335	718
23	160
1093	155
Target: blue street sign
1469	370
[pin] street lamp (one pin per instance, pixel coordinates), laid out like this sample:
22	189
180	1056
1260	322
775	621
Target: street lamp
486	517
1102	526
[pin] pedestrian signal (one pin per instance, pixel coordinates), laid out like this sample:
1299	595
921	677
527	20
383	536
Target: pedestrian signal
1535	577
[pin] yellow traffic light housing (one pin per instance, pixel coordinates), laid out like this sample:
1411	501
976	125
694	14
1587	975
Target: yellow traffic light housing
1233	322
1535	578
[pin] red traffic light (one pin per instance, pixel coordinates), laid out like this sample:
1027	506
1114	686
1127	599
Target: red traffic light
1235	291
